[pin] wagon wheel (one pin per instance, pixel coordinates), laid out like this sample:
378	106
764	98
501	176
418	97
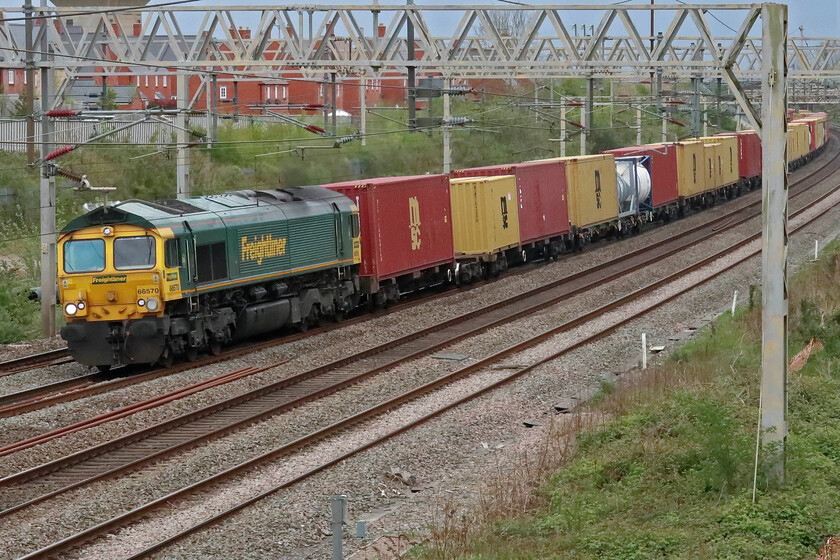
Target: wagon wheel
339	308
104	369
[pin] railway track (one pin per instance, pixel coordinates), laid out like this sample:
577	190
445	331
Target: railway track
97	383
601	274
284	450
42	359
137	449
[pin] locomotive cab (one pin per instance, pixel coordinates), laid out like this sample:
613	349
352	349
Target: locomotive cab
114	281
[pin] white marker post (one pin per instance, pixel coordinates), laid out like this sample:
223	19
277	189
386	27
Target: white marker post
734	302
644	350
816	249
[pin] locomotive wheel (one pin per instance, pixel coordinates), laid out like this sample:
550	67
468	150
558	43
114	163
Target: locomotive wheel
167	358
104	369
215	347
191	353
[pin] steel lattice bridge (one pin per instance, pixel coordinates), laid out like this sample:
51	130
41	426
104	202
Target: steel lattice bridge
455	41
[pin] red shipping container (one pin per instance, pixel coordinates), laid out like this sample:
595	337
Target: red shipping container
541	189
749	153
406	223
663	169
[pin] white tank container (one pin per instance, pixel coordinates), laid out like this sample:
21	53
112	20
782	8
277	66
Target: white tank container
633	184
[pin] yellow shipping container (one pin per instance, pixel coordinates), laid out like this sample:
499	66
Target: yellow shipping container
691	168
725	160
485	217
798	141
592	190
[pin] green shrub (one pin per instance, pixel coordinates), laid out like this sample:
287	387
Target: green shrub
18	315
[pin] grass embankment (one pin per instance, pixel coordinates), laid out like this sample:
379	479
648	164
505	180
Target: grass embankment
664	466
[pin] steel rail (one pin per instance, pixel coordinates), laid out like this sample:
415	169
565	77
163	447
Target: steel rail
25	363
335	428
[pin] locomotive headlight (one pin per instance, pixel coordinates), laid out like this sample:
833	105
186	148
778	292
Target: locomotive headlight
152	304
71	309
141	302
81	305
107	231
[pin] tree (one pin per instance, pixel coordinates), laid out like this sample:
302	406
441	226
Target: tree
21	107
509	23
109	100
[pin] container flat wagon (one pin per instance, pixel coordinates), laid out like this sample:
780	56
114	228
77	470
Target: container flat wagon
485	225
406	233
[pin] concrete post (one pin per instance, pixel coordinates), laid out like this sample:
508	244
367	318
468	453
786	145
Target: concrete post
363	114
208	102
412	92
334	95
214	116
326	101
235	99
29	73
563	130
447	130
182	158
338	509
695	107
639	126
49	256
774	313
588	104
583	122
660	99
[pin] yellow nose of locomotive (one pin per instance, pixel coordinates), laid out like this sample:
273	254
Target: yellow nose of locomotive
111	274
112	297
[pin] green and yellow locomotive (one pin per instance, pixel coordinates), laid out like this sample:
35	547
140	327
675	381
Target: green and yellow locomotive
145	282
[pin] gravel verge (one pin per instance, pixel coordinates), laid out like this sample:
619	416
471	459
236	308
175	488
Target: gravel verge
580	379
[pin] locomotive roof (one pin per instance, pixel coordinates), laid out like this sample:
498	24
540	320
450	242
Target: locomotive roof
173	212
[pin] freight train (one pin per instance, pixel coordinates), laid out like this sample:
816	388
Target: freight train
150	282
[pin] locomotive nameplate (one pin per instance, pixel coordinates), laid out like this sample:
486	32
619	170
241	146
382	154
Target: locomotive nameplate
112	279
